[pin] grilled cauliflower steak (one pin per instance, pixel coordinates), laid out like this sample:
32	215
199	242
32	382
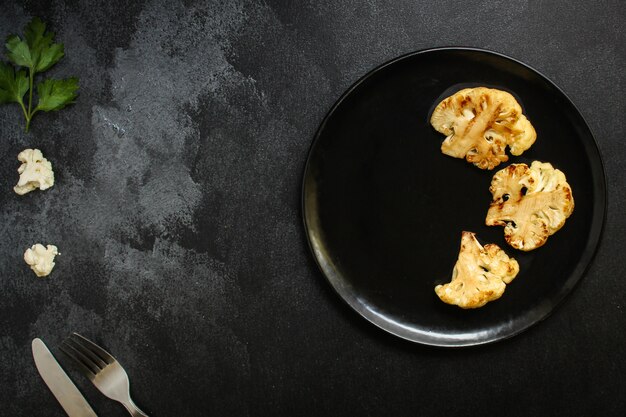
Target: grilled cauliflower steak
479	276
531	203
479	123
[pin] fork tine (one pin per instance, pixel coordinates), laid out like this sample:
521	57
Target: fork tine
74	355
86	354
84	342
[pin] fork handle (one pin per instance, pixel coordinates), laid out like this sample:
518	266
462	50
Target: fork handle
133	409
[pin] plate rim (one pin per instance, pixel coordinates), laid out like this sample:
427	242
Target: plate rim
600	205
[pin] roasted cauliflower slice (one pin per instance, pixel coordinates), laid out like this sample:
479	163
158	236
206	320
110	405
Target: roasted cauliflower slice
531	203
479	123
479	276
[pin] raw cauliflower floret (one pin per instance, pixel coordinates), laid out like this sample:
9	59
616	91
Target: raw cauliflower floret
479	123
479	276
35	172
41	259
531	203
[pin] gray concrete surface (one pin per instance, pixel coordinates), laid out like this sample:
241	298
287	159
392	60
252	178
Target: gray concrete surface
176	210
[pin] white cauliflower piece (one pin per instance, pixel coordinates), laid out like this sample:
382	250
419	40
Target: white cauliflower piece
479	123
531	203
35	172
480	274
41	259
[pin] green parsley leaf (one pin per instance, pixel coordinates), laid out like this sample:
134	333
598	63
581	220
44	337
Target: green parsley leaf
13	85
18	52
44	52
36	52
50	56
56	94
35	34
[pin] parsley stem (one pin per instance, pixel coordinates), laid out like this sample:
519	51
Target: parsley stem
31	76
23	109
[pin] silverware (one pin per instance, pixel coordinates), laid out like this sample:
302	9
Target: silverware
59	383
102	369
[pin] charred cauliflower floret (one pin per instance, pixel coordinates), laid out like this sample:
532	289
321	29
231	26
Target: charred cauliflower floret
479	123
479	276
531	203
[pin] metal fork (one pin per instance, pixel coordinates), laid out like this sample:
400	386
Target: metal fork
102	369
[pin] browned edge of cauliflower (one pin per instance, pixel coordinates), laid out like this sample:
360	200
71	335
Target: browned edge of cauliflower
480	274
479	123
532	203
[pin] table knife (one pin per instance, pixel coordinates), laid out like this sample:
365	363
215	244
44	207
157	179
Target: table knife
59	383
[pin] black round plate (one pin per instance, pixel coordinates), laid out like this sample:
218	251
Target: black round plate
384	208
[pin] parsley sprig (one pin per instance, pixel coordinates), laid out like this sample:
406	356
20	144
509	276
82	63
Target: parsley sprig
33	54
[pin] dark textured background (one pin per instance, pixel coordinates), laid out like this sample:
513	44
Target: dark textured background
176	210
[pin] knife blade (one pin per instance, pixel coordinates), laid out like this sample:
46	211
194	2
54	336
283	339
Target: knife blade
70	398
